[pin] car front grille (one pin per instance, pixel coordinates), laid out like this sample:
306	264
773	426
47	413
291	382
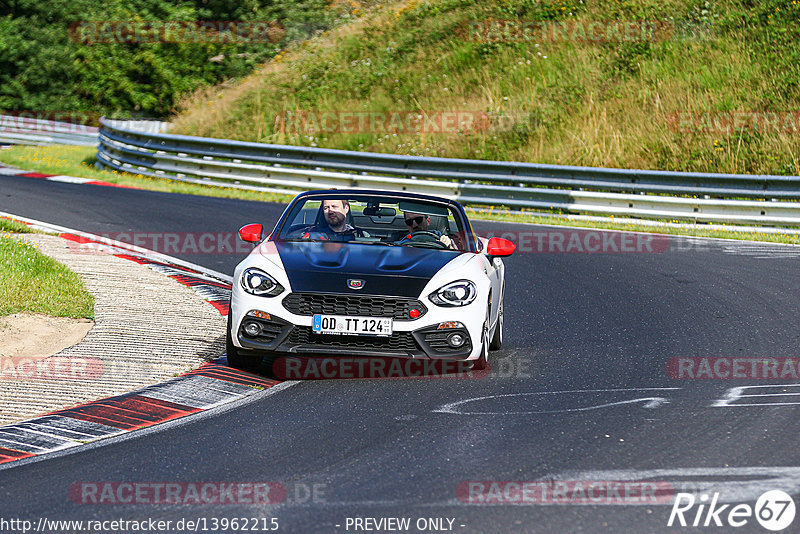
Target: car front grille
365	305
397	342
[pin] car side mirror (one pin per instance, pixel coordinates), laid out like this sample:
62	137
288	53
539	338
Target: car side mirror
251	233
498	246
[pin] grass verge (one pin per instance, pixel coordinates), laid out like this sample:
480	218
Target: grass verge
8	226
611	224
33	282
79	161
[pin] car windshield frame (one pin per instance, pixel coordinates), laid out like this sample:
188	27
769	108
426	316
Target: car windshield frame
439	206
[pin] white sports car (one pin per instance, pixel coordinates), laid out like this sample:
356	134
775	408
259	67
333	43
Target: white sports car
368	273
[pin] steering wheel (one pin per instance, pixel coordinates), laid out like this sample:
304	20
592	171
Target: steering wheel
426	239
299	231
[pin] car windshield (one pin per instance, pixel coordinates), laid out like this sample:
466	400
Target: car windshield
383	221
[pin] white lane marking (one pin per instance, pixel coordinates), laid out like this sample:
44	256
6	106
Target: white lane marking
206	291
705	480
69	179
738	393
43	442
31	432
763	251
68	427
196	392
19	445
126	247
209	292
650	402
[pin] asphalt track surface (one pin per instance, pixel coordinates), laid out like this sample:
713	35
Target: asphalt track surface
580	392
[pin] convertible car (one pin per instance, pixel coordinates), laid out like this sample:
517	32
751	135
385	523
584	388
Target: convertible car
368	273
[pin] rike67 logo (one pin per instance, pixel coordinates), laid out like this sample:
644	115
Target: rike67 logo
774	510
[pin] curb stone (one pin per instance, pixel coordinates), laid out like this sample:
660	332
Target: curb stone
137	341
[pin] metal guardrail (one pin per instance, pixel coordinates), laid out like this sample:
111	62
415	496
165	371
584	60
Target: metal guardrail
20	130
729	198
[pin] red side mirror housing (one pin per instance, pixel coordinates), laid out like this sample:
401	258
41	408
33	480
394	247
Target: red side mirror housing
498	246
251	233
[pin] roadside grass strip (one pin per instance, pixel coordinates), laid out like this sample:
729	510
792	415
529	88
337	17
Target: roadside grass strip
71	164
33	282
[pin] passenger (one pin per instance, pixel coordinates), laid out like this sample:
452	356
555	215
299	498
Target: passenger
417	222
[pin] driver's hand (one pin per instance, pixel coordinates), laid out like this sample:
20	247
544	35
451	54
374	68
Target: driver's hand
447	241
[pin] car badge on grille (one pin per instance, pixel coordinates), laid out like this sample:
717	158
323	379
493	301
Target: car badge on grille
354	283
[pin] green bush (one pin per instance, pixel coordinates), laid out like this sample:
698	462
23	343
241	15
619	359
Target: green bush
43	69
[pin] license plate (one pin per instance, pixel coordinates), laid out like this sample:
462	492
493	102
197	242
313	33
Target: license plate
357	326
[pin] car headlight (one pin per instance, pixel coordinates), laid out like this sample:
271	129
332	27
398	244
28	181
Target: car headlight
257	282
458	293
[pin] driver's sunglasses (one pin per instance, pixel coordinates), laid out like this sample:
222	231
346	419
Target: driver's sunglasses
413	220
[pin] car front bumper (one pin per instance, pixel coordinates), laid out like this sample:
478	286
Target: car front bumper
280	336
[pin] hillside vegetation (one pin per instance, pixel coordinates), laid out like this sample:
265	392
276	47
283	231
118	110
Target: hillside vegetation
60	56
715	87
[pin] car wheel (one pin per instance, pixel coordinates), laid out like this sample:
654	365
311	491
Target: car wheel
483	361
236	359
497	338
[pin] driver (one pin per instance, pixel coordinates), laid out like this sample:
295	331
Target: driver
335	227
417	222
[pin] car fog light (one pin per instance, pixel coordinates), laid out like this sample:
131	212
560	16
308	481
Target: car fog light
252	328
455	340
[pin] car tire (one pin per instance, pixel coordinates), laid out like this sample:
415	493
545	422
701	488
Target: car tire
236	359
497	338
483	361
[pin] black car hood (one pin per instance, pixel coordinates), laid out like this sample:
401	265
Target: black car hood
385	270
